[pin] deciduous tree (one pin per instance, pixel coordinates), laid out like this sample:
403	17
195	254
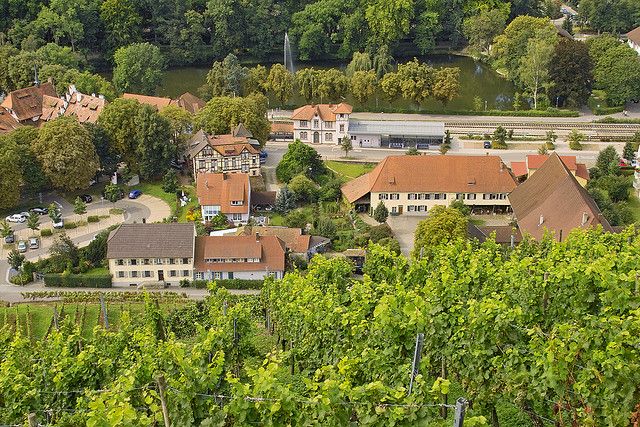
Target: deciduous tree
363	85
155	148
139	68
67	154
11	176
446	86
482	28
533	73
280	83
300	159
571	72
118	120
444	224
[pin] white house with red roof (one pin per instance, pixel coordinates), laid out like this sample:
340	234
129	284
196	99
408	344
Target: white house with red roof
321	123
633	39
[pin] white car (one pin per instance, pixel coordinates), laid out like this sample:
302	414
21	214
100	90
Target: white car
16	218
59	224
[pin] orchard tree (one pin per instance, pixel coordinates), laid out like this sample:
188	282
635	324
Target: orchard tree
11	175
67	154
280	83
444	224
381	213
139	68
363	85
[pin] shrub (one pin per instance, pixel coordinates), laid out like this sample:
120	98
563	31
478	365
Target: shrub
93	218
65	280
116	211
46	232
380	232
227	284
21	279
70	225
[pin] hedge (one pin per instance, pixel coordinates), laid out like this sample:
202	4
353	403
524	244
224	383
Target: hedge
227	284
602	111
63	280
551	112
70	225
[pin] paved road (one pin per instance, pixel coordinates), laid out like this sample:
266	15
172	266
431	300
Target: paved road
146	208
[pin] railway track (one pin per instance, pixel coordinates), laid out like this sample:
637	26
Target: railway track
626	128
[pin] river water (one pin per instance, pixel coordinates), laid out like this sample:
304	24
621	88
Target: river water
476	80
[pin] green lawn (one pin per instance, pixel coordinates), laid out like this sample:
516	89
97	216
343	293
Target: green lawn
99	271
349	170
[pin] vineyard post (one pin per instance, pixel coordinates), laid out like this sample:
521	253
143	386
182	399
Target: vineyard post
443	373
417	355
637	278
32	420
162	384
55	316
103	307
224	307
461	407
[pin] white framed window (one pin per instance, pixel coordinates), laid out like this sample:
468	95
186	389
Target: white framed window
236	203
316	123
304	124
185	273
202	164
217	275
199	275
328	136
147	273
236	217
173	273
304	136
341	127
121	274
134	274
471	196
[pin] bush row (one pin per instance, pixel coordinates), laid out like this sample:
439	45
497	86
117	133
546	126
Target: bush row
550	112
227	284
64	280
602	111
93	218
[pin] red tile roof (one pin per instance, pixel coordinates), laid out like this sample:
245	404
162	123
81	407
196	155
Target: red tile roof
155	101
7	121
26	103
534	161
220	189
519	168
85	108
552	199
446	174
190	102
327	112
226	145
293	238
269	249
634	35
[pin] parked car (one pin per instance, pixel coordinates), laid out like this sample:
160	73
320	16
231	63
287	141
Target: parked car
263	156
10	238
34	243
86	198
486	144
39	210
134	194
16	218
59	224
22	246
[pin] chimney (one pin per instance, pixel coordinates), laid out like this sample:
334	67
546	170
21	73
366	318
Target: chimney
257	237
585	218
224	176
501	166
78	96
541	220
101	96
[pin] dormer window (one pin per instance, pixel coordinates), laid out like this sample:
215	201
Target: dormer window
236	203
207	151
